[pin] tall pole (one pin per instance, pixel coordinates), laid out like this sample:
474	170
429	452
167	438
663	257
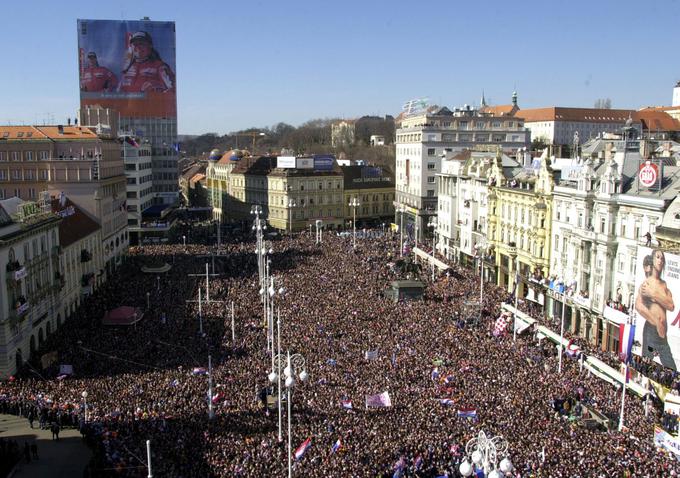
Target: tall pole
219	234
564	307
401	232
514	325
623	396
200	312
207	283
278	373
271	319
148	458
290	465
481	284
211	412
233	336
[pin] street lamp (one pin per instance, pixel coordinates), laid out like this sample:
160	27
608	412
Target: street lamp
293	361
484	452
354	203
482	248
319	231
401	209
291	205
433	224
564	307
514	257
259	227
184	240
84	395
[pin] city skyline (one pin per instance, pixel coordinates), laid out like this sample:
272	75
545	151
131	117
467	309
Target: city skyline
256	65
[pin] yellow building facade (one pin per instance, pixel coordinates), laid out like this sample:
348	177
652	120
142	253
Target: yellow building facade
520	211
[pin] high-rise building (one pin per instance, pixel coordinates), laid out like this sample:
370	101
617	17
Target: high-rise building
129	66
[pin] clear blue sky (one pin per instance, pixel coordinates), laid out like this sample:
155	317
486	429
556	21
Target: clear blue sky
255	63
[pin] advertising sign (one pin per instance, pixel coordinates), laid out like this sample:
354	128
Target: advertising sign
667	441
304	163
128	66
656	309
286	162
649	175
324	162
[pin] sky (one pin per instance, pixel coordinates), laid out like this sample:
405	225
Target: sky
256	63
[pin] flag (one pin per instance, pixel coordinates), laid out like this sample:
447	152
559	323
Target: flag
394	359
434	375
572	349
626	336
448	379
62	377
336	446
346	404
446	401
371	354
381	400
300	451
199	371
479	473
467	413
174	383
131	141
399	468
331	362
217	397
418	463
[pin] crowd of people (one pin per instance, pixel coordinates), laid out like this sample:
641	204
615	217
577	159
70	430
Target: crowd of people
148	381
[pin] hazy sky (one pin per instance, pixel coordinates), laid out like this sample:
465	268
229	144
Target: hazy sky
255	63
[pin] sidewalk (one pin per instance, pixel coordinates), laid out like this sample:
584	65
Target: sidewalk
65	458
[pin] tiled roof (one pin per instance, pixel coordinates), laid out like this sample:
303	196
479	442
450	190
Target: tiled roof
73	227
585	115
31	133
499	110
655	120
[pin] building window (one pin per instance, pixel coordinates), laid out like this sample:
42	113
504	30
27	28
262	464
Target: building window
16	174
430	180
431	151
3	156
43	155
603	223
29	155
16	156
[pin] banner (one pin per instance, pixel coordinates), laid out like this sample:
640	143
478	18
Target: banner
382	400
65	369
656	307
667	441
128	66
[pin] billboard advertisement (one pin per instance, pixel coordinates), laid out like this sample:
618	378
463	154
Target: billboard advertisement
304	163
324	162
286	162
128	66
657	306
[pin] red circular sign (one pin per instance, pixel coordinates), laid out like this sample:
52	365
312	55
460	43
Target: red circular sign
649	173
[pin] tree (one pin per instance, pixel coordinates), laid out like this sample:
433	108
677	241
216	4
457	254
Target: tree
603	104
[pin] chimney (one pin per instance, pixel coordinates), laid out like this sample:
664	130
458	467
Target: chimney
60	129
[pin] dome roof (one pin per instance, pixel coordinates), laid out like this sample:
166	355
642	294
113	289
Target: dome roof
215	155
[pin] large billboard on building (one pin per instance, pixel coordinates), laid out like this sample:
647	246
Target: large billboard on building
656	308
128	66
324	162
285	162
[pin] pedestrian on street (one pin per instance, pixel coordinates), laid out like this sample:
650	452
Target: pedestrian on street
55	431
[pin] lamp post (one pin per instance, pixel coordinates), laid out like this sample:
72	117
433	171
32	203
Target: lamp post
275	375
184	240
293	361
354	203
401	209
514	258
564	308
484	451
148	458
259	227
482	246
211	411
84	395
291	205
433	224
319	231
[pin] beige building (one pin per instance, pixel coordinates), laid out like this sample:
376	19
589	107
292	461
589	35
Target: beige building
291	198
30	280
77	161
373	188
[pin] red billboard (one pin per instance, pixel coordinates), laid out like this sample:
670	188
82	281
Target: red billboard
128	66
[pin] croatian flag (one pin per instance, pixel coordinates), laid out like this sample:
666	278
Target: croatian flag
346	404
199	371
572	349
381	400
131	141
399	468
303	448
467	413
434	375
418	463
446	401
217	397
626	337
448	379
336	446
